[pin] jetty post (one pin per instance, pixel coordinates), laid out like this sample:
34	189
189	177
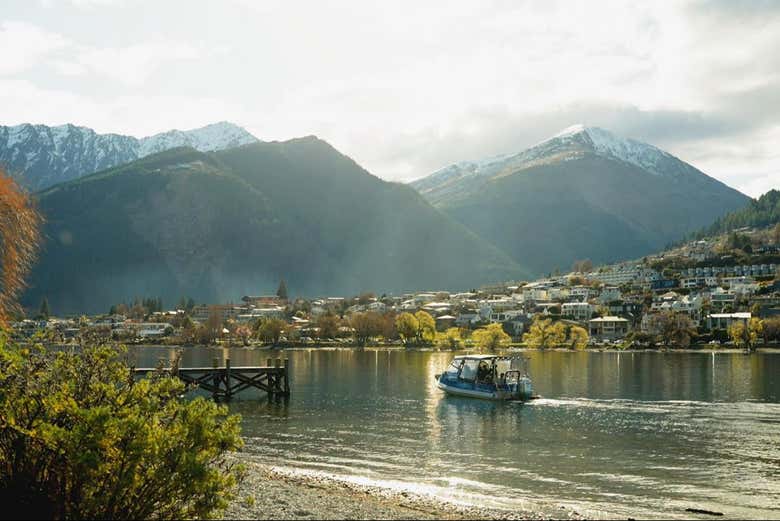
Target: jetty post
225	382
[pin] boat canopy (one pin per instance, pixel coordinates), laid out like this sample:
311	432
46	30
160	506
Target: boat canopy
488	357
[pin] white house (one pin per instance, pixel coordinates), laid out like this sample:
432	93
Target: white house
577	310
726	320
608	328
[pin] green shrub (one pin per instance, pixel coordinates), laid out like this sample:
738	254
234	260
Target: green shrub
80	438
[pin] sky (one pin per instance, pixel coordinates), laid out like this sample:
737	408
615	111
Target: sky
407	87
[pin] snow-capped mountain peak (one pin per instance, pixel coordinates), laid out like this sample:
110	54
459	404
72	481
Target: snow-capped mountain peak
570	144
216	136
607	144
40	156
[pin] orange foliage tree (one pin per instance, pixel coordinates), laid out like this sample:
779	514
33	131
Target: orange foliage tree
20	225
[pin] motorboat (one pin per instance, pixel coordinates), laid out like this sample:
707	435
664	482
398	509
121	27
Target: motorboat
489	377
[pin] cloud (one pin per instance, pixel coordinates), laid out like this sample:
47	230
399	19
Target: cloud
24	45
134	64
405	88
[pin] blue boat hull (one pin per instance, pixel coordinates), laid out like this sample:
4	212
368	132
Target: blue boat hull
522	390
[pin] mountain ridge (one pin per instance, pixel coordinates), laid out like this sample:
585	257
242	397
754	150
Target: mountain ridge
623	197
39	156
218	225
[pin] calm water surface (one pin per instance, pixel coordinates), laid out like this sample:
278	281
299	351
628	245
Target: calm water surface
626	434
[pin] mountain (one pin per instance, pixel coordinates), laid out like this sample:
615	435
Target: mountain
39	156
216	226
764	211
584	193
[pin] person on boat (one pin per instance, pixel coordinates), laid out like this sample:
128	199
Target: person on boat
484	374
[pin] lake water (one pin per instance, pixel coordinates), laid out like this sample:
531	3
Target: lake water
621	434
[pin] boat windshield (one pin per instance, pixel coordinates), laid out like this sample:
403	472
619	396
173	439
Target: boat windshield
453	368
502	366
469	371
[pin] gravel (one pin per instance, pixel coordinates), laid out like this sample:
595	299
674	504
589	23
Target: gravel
273	493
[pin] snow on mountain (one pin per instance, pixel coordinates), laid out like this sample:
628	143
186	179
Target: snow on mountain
217	136
40	156
571	143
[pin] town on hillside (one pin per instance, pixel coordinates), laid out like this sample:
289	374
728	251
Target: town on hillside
716	291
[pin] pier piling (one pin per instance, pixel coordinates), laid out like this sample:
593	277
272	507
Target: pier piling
225	382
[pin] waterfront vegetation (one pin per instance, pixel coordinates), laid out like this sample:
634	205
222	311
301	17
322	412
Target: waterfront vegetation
81	439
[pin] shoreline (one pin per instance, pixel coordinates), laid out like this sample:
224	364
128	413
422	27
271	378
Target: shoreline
268	492
704	350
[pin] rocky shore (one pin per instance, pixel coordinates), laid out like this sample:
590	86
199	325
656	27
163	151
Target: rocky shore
272	493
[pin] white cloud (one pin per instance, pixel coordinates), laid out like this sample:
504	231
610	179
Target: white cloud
23	45
134	64
406	88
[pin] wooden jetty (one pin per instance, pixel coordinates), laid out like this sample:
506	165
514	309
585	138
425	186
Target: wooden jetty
224	382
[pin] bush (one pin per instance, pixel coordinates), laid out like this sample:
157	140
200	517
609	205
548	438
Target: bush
79	438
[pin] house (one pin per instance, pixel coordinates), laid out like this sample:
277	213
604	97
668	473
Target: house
154	330
579	293
445	322
608	328
263	300
610	294
726	320
468	318
580	311
223	311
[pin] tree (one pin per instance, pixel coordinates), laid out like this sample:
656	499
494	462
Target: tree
270	330
582	266
407	326
20	225
745	334
365	325
80	438
672	329
328	325
365	298
577	337
282	291
491	337
776	234
450	338
771	329
426	327
544	334
44	311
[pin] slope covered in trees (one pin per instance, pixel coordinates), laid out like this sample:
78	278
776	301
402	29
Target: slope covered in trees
220	225
584	193
764	211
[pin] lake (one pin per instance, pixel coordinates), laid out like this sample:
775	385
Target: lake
642	434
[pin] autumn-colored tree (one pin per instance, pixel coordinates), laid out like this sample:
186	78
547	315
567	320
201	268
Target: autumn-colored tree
270	330
20	225
745	334
328	325
407	325
577	337
426	327
365	326
450	339
491	337
771	329
582	266
672	329
544	333
389	331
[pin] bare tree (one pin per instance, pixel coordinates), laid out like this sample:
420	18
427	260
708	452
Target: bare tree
20	225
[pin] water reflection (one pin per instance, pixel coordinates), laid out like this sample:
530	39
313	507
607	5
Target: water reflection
636	434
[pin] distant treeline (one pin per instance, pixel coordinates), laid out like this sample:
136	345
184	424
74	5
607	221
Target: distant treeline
761	212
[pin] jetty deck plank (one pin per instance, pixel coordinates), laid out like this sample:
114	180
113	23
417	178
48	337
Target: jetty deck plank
224	382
